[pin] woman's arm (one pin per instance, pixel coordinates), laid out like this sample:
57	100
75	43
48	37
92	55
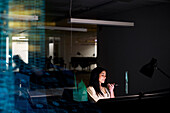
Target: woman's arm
112	95
91	92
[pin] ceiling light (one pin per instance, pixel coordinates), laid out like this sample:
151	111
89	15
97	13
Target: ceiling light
64	28
19	17
100	22
20	38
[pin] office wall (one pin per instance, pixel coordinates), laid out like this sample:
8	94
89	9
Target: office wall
123	49
83	42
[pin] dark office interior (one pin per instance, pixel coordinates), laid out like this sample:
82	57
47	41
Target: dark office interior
47	59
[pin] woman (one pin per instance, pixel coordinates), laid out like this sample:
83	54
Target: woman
97	86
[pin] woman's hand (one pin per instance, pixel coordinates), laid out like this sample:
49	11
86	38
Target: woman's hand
111	86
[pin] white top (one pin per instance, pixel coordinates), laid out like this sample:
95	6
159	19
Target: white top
92	93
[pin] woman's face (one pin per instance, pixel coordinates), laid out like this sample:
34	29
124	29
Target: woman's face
102	77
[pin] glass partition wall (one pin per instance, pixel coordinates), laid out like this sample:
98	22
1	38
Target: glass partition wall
44	59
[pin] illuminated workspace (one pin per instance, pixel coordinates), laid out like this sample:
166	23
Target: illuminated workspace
50	47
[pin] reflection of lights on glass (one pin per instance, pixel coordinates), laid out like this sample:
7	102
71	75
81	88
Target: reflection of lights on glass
95	40
39	105
80	91
19	17
20	86
56	103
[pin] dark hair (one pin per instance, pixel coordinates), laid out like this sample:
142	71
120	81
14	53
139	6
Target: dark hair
94	79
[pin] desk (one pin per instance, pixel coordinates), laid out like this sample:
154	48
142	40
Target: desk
137	103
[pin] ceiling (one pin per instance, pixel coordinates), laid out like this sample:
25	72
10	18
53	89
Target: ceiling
59	10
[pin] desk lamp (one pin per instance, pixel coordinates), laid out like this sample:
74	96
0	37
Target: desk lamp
149	68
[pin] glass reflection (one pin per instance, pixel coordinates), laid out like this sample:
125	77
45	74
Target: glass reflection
42	68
